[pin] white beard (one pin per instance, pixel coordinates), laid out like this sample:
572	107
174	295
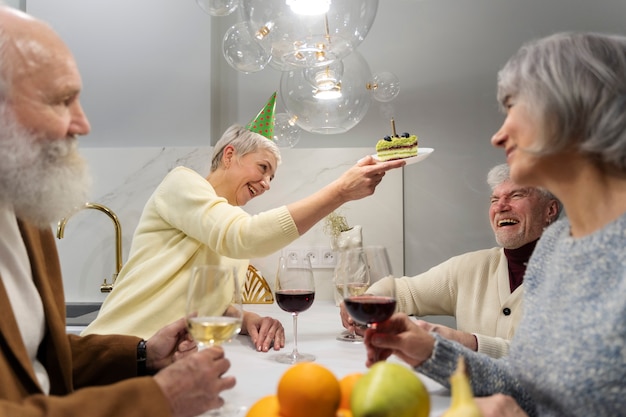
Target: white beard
43	179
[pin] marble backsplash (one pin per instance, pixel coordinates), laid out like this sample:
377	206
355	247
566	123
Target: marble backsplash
124	179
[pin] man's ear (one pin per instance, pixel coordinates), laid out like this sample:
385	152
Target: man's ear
553	211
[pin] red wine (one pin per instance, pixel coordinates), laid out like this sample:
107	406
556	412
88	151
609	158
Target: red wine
295	301
368	309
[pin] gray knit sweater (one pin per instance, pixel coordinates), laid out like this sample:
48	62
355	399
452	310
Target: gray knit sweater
568	355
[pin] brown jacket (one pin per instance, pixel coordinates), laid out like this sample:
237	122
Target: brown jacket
102	363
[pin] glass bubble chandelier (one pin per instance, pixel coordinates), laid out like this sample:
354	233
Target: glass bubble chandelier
327	102
326	85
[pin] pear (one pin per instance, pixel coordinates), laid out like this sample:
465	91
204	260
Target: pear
462	403
389	390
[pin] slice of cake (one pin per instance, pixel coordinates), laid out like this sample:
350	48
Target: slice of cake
396	147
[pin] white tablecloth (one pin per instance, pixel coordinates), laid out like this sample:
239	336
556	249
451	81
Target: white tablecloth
257	375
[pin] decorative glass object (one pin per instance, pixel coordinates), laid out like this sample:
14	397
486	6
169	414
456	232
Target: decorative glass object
344	241
286	131
305	40
333	115
241	51
384	86
218	7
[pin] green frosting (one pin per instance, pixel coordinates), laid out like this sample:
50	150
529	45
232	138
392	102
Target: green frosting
396	142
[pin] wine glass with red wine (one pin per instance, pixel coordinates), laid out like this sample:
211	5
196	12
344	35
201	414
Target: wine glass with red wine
294	292
373	309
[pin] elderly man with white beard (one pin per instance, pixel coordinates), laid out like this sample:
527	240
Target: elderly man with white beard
43	370
482	289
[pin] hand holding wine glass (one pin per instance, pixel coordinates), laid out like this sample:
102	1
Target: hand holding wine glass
294	291
214	313
372	309
352	278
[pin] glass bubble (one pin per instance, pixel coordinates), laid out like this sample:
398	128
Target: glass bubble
241	51
300	40
334	115
286	131
218	7
385	86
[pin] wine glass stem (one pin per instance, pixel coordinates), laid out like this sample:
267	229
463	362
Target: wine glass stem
294	353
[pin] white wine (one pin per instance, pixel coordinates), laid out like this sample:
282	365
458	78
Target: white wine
353	289
213	330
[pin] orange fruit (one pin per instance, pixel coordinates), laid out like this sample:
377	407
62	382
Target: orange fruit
308	389
344	412
265	407
346	384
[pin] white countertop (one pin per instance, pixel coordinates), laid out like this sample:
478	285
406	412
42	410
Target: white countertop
258	376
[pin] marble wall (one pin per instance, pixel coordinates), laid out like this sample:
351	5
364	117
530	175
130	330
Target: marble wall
124	178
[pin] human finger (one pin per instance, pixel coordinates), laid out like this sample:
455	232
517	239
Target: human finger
425	325
388	165
213	352
373	353
346	320
367	160
499	405
270	333
279	338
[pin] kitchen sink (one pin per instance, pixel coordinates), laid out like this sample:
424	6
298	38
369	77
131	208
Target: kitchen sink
73	310
81	314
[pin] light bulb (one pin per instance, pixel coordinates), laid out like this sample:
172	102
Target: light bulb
309	7
327	83
328	94
333	115
296	40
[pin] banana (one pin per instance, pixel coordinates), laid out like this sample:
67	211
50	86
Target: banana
462	403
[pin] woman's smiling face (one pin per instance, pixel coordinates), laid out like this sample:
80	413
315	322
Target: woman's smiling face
250	175
519	137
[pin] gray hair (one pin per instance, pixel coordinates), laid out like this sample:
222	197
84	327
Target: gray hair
244	141
575	85
502	173
497	175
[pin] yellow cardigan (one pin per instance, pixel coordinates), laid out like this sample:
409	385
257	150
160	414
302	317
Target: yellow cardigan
184	223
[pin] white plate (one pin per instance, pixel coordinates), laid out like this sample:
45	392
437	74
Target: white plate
422	153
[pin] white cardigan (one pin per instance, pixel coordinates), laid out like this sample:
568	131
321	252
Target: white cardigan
474	288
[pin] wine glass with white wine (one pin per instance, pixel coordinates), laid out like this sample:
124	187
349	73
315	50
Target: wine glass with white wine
352	278
214	313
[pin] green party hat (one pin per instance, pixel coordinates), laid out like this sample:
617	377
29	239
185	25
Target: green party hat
263	123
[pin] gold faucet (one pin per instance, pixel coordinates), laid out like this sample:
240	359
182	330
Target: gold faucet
105	286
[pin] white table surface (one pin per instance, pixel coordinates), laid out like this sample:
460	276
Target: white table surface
257	375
